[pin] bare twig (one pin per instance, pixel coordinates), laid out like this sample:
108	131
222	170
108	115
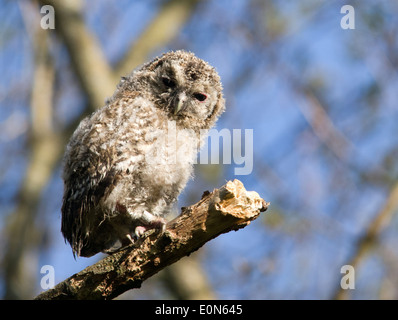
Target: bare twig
323	127
229	208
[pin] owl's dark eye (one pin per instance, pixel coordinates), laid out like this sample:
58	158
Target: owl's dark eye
168	82
200	96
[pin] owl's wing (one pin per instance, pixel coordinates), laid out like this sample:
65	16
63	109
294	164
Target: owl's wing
88	182
90	169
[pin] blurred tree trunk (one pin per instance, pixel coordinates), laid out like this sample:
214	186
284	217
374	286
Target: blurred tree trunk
23	233
370	237
187	281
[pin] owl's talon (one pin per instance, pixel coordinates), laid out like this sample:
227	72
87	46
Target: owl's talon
159	225
128	236
163	227
139	231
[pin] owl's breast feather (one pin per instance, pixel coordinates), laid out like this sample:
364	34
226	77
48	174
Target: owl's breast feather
170	158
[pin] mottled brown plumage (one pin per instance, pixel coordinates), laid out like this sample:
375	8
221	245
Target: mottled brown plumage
126	164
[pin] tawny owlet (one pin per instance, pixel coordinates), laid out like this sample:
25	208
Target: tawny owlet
126	164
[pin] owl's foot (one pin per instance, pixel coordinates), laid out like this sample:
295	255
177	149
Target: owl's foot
157	223
139	231
128	236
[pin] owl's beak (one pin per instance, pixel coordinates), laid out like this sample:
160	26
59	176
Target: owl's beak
180	101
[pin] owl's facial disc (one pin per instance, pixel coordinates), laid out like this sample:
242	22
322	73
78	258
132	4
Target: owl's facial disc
183	91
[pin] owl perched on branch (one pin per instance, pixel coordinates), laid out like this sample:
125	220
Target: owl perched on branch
126	164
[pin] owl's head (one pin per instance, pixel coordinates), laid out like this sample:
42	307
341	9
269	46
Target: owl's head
187	88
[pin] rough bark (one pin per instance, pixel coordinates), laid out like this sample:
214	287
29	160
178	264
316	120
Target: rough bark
229	208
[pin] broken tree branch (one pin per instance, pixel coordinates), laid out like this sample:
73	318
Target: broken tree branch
229	208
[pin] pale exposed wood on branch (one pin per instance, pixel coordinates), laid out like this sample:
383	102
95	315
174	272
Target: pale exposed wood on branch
229	208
